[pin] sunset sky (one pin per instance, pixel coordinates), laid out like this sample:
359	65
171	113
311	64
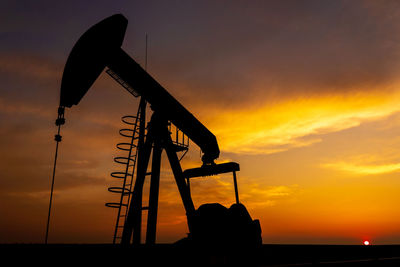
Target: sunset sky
304	95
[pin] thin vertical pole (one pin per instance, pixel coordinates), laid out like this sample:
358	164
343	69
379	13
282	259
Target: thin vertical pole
188	184
145	59
236	187
58	140
154	192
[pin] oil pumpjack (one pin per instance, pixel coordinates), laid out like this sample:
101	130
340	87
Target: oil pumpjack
99	48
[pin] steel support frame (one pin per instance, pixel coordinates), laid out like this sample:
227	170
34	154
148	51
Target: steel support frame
158	139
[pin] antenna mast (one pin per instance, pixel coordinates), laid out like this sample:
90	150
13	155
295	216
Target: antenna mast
145	60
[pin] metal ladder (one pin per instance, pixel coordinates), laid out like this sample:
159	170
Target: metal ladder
129	163
180	142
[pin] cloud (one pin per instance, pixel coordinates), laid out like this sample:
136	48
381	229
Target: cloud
362	169
29	65
261	196
298	122
281	51
24	109
369	150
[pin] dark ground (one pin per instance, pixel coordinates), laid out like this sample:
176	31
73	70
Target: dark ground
170	255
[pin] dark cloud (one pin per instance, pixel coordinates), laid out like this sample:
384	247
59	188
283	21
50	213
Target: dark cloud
231	54
281	50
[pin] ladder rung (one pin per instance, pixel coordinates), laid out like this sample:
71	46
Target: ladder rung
122	82
145	208
148	173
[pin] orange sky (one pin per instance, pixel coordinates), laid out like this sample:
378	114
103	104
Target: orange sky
304	96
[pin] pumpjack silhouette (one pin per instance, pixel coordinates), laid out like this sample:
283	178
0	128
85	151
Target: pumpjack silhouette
211	226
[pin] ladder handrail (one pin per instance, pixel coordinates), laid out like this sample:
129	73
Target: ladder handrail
129	162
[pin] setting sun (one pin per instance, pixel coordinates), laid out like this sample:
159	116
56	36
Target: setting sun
366	242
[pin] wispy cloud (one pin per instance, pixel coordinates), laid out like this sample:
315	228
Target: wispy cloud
362	169
25	108
28	65
295	123
257	195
